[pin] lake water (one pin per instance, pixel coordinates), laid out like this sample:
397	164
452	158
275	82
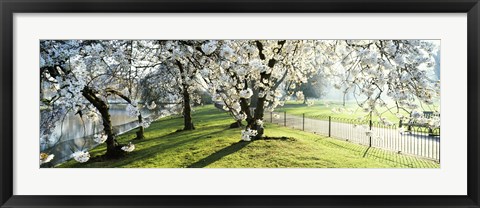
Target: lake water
76	134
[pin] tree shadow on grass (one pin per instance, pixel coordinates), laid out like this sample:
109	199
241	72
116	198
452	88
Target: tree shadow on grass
380	155
219	154
151	151
230	150
366	151
356	148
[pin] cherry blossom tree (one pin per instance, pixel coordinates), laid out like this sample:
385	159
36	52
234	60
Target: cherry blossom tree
246	74
80	76
249	77
373	70
174	73
133	74
159	88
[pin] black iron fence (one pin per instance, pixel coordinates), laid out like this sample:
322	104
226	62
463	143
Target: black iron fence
417	140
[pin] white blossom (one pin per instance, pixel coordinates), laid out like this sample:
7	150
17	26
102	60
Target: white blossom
248	133
299	95
209	47
100	138
146	123
247	93
241	116
259	122
434	122
228	53
128	148
236	106
81	156
415	114
45	158
152	105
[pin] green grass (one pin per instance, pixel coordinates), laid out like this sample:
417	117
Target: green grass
353	111
214	145
319	109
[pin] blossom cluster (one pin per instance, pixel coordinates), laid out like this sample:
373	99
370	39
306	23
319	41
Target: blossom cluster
45	158
81	156
152	105
100	138
248	133
146	123
128	148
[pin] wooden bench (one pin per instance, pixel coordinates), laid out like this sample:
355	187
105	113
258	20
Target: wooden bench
412	123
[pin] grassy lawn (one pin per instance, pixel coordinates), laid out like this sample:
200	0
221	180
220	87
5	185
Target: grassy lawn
319	111
214	145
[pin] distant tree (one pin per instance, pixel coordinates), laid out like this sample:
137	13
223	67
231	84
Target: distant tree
170	63
315	87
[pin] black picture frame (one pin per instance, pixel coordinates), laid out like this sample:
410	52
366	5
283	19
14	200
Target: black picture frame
9	7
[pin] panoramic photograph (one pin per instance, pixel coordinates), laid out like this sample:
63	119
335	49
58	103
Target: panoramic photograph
239	103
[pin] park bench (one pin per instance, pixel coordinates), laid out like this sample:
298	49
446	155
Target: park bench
413	123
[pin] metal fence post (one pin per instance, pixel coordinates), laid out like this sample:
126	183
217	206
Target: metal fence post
438	153
303	122
329	126
284	118
271	117
370	137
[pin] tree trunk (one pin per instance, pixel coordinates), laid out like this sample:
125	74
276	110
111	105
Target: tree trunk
254	98
140	118
260	101
141	130
251	119
187	111
102	107
258	116
41	91
245	108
